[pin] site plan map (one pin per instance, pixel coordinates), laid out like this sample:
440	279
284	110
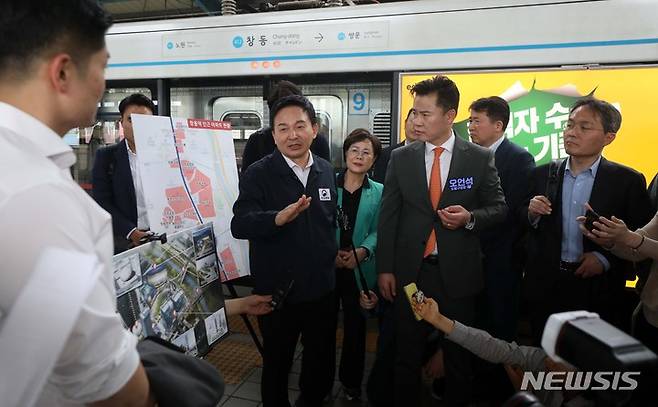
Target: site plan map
173	290
189	176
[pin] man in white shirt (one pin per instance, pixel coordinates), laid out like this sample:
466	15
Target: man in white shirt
52	62
117	185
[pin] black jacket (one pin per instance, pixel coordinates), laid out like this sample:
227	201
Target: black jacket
514	165
379	169
618	190
304	249
113	189
261	144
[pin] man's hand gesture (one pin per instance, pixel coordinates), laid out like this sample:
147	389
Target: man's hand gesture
290	212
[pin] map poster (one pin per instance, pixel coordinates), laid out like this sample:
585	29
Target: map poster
173	290
189	177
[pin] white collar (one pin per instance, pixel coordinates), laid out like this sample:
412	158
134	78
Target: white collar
448	145
128	148
497	144
292	164
44	140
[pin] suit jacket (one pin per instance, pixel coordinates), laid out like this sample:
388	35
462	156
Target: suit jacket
407	217
113	189
365	228
618	190
514	164
379	169
304	249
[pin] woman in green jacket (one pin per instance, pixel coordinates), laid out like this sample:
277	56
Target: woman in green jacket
359	198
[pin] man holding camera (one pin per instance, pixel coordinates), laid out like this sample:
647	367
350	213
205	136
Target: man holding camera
560	260
287	209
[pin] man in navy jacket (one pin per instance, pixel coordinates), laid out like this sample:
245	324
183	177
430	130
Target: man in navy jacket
500	244
286	208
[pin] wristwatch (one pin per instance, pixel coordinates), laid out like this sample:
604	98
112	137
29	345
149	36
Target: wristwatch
471	223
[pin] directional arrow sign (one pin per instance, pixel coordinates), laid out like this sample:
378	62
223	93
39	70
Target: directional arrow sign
319	37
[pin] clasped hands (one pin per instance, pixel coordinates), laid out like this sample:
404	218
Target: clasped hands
454	217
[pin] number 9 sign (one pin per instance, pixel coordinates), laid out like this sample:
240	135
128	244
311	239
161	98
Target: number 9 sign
358	101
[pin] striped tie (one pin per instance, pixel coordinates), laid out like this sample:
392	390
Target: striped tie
435	195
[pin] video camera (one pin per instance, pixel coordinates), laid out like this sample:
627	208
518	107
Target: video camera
613	360
584	340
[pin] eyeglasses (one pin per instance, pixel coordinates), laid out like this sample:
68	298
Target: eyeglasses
582	128
356	152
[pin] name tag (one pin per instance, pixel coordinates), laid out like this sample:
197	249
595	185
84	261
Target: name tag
460	184
325	194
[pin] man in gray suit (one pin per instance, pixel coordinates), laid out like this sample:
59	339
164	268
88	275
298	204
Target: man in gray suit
433	205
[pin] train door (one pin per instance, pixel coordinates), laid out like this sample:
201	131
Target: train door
343	107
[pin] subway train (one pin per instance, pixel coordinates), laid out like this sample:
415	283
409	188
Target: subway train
351	61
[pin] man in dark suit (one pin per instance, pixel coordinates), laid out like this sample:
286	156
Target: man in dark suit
437	195
287	210
379	170
261	142
116	184
500	244
565	271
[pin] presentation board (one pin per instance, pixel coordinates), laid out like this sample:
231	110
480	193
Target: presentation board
189	176
172	290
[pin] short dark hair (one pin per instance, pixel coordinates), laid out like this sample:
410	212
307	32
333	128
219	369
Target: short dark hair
409	114
609	115
496	108
136	99
283	88
293	100
447	94
358	135
31	29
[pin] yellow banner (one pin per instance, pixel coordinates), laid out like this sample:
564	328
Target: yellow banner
539	99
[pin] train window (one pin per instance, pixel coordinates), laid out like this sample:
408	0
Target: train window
243	124
324	122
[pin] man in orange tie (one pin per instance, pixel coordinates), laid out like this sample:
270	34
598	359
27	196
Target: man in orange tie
438	193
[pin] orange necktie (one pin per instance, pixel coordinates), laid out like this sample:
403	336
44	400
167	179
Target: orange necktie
435	195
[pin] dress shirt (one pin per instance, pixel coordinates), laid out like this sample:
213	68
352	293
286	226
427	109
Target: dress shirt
576	190
41	206
445	158
301	173
497	144
142	217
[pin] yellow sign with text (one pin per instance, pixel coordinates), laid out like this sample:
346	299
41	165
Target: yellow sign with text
539	103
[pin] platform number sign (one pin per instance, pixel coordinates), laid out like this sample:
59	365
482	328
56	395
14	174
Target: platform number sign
359	99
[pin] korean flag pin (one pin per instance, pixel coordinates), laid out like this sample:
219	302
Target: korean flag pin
325	194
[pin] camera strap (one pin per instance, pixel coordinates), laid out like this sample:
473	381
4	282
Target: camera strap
553	181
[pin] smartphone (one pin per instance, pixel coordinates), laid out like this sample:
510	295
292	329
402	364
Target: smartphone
590	218
411	291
